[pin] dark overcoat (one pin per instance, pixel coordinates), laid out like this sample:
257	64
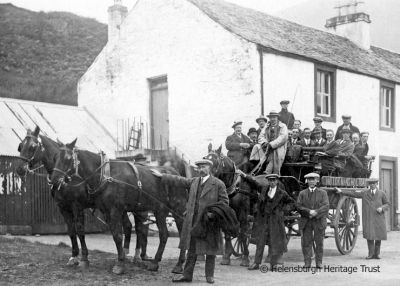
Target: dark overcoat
374	223
270	214
236	153
305	204
213	191
286	118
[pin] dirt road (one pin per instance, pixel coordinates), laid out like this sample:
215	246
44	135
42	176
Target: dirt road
31	263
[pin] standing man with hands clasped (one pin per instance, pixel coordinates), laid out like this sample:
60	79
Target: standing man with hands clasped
204	191
374	205
313	205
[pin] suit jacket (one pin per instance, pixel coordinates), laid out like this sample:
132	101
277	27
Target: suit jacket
302	143
322	143
339	131
236	153
305	203
323	133
213	191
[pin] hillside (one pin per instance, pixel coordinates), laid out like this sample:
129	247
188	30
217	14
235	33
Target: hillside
385	26
42	55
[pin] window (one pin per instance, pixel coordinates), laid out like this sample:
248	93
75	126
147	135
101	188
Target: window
387	106
325	93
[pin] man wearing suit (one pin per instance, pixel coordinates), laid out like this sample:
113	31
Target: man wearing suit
346	124
374	205
203	191
285	116
318	125
306	141
313	206
318	140
238	144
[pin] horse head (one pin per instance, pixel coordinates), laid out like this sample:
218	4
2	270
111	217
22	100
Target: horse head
30	150
223	167
64	164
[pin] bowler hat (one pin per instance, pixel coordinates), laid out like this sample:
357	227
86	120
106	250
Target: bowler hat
346	116
285	102
261	117
317	119
251	130
311	175
204	162
372	180
272	176
273	113
236	123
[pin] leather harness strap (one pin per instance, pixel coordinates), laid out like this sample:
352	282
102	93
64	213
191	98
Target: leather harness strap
139	183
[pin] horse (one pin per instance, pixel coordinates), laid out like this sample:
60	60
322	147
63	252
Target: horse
36	149
241	199
129	187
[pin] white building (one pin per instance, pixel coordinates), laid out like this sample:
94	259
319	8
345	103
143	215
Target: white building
192	67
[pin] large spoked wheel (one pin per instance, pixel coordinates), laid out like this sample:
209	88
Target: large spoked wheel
292	229
239	243
346	224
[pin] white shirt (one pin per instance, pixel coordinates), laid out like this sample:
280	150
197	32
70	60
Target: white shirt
271	192
307	141
204	179
373	191
312	190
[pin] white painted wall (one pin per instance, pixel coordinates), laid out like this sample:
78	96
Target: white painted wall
213	75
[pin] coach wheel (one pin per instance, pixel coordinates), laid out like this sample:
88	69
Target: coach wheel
292	229
238	245
346	224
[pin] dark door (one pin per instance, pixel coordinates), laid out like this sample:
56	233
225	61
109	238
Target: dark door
159	113
387	184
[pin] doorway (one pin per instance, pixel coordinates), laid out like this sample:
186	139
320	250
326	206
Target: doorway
388	184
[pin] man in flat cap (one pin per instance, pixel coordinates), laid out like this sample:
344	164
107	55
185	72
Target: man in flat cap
238	145
318	141
313	206
203	191
269	221
318	125
374	205
285	116
346	124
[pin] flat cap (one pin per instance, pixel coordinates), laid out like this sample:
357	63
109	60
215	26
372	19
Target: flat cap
236	123
273	113
272	176
346	130
317	119
311	175
285	102
346	116
204	162
261	117
365	132
372	180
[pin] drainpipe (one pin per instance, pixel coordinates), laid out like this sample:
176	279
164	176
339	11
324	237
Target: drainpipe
260	52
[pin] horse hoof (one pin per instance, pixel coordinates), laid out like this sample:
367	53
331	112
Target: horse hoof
152	267
177	269
84	264
73	261
226	261
118	269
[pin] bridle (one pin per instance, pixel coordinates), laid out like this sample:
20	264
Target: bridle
220	165
39	147
74	166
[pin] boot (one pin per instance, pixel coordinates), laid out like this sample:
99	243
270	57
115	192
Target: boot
377	249
370	244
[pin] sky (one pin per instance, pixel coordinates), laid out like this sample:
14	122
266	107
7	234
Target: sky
98	8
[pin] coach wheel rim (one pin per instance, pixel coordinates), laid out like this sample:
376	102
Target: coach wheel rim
238	245
346	224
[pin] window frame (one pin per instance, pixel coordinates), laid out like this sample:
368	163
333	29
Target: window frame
332	71
392	86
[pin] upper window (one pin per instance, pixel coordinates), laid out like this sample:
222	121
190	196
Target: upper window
325	93
387	111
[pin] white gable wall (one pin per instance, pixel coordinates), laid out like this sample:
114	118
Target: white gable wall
213	75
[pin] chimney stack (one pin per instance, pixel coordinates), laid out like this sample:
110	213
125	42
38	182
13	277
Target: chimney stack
351	24
116	15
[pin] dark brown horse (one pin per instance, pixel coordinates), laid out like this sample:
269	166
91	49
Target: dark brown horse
128	188
241	199
36	150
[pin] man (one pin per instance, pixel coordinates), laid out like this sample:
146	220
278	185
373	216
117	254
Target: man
289	141
318	125
306	141
285	116
276	135
262	122
318	140
297	125
204	191
269	221
295	136
346	124
329	137
238	144
253	135
374	205
313	206
335	155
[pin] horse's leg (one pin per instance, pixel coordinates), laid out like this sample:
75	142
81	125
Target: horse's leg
80	229
127	226
142	232
245	210
69	220
161	216
178	269
226	258
115	223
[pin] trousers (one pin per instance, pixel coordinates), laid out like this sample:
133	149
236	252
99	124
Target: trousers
374	247
312	233
191	261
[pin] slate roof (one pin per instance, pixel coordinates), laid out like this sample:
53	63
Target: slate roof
293	39
56	121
